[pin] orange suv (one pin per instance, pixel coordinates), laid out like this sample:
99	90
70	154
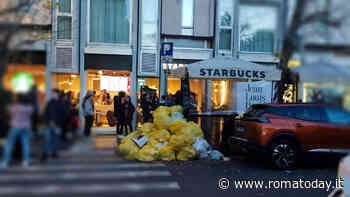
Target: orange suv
283	131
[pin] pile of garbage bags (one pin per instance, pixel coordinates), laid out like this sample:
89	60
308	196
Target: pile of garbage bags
170	137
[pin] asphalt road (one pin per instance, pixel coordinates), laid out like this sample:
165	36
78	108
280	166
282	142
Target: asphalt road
86	172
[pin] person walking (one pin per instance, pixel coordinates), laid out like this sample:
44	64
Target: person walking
89	112
20	122
128	110
55	115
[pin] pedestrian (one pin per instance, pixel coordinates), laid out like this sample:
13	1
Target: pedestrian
89	112
127	116
146	105
67	100
36	104
118	110
20	122
55	116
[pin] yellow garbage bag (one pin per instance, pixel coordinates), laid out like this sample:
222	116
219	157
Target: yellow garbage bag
162	120
148	153
146	128
176	108
191	131
129	149
161	109
176	142
167	154
186	153
130	136
175	127
160	135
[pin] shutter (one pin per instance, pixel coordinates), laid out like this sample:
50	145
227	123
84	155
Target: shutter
204	18
64	58
148	64
171	17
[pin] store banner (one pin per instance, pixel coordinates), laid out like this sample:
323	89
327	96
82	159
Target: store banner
229	68
249	93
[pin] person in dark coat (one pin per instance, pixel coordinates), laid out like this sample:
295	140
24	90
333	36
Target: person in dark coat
147	107
128	110
118	110
56	117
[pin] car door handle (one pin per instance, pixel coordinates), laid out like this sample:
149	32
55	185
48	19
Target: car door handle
299	125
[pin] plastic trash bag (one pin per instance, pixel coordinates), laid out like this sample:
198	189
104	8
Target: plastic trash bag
167	154
186	153
215	155
202	148
162	120
146	128
176	126
176	142
130	136
129	149
176	108
160	135
177	116
148	153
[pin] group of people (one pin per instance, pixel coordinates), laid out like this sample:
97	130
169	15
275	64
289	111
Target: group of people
25	119
123	113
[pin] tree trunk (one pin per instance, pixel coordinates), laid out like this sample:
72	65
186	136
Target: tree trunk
289	48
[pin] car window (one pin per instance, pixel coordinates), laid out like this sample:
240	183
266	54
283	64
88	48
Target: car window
308	113
337	116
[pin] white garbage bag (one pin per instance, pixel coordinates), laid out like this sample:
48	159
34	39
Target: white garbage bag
215	155
177	116
202	148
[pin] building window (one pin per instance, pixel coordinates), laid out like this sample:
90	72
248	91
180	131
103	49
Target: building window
64	20
187	43
187	17
110	21
255	35
225	24
149	22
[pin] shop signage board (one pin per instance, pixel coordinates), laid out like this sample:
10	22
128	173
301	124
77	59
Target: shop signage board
249	93
230	68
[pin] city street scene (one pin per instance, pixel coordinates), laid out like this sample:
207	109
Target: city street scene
105	98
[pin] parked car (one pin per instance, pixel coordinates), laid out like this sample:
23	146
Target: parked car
283	131
344	175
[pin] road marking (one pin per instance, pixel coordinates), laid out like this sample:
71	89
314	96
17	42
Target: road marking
69	176
89	188
85	167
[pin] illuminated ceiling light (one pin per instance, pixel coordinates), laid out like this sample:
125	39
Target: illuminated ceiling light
100	72
74	76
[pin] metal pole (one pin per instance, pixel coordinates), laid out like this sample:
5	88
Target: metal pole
135	51
81	37
162	75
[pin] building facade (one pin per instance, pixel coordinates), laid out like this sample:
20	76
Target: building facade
115	44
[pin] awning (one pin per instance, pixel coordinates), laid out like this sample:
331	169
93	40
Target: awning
323	72
229	68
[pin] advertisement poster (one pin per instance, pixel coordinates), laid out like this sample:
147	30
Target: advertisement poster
249	93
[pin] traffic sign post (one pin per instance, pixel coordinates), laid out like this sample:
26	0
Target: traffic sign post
166	54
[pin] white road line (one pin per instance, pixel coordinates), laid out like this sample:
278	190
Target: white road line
70	176
69	167
90	188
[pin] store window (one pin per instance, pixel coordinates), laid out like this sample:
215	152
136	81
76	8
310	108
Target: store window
64	20
149	22
225	24
255	35
110	21
187	17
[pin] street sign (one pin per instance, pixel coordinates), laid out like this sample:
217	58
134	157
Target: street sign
167	49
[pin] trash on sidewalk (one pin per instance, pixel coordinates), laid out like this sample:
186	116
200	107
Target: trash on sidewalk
169	138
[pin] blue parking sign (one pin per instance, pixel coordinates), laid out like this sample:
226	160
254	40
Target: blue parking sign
167	49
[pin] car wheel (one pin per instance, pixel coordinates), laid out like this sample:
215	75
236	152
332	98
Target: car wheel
284	154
